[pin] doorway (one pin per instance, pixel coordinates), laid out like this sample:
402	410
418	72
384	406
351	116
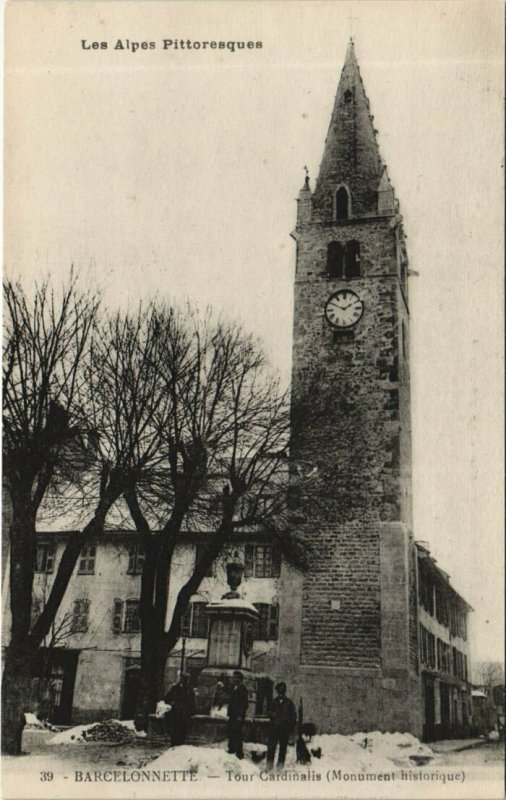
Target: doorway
130	692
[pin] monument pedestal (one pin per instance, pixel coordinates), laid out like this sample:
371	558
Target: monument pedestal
231	637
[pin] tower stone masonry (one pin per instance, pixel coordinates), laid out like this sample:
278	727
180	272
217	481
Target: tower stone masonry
350	639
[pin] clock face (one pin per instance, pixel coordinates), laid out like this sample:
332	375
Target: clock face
344	309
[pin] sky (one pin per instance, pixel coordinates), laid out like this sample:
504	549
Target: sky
175	171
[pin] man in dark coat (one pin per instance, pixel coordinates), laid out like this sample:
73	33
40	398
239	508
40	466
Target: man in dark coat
283	717
182	699
237	708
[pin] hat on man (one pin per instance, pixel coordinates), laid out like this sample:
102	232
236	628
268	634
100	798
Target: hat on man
280	685
237	674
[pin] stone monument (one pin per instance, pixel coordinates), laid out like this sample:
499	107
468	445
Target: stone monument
230	642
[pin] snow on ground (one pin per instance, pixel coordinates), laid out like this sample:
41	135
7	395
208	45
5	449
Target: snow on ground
358	767
362	752
402	748
33	721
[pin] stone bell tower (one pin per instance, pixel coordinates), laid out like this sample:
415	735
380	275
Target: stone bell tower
353	655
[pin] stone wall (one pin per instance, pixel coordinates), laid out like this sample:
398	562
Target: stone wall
347	407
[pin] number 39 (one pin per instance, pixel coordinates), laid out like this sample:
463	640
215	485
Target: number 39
46	776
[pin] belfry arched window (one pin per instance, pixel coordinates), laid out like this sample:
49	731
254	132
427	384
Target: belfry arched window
352	266
348	96
335	260
342	203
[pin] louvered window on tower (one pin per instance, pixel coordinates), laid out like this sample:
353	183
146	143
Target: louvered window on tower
352	259
343	260
335	260
342	198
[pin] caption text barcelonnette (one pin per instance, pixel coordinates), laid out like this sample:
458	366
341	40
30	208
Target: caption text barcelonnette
172	44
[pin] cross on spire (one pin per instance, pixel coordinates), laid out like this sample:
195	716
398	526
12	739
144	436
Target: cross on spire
351	19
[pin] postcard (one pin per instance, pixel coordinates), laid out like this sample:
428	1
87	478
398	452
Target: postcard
252	400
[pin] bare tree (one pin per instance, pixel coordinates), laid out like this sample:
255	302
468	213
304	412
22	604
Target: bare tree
63	627
45	340
82	419
489	674
173	413
225	468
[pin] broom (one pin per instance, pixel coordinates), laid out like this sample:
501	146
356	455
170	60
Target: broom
303	756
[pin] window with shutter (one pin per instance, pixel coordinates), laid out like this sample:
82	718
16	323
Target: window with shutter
262	561
266	627
261	624
272	630
200	621
136	557
117	615
249	558
87	561
186	620
81	616
132	621
276	562
44	557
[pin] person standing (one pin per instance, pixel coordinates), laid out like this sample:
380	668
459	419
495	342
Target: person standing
283	716
181	698
237	708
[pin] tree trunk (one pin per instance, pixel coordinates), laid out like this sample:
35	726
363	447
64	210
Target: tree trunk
16	684
151	686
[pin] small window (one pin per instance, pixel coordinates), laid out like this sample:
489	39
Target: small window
199	553
44	557
335	260
262	561
87	561
136	557
117	615
353	259
195	621
80	616
348	97
266	628
342	210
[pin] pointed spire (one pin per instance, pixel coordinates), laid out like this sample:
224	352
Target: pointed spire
304	202
351	156
306	187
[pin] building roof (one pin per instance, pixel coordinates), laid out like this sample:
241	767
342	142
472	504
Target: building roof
437	573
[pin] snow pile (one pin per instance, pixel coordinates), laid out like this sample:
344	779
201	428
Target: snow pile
111	731
372	752
32	721
403	749
206	762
